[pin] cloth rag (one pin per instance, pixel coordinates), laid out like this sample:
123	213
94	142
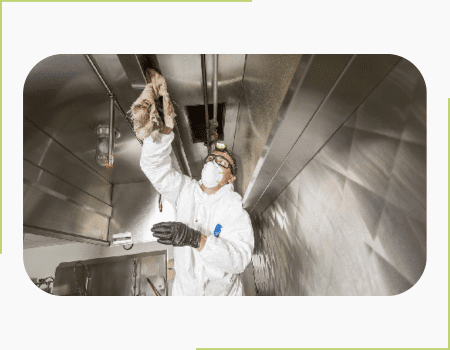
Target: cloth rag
144	111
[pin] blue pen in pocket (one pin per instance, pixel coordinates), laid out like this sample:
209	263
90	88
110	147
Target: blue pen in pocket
217	230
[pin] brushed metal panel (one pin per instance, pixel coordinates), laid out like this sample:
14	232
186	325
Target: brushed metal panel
35	241
111	278
48	212
372	159
266	81
357	81
64	97
44	152
133	70
66	280
136	210
315	76
346	232
26	188
114	275
42	180
46	232
184	84
65	198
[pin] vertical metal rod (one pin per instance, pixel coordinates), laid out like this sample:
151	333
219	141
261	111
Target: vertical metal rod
111	134
109	92
205	98
215	68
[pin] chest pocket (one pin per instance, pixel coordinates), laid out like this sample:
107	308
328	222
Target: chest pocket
222	218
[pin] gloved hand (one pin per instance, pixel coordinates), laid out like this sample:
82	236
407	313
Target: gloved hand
176	234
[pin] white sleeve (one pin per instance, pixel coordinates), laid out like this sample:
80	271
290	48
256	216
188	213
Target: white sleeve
231	252
156	163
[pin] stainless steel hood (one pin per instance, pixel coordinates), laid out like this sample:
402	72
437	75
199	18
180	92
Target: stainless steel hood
64	98
66	193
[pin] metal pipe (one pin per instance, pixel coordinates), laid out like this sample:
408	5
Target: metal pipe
99	76
110	158
205	98
215	83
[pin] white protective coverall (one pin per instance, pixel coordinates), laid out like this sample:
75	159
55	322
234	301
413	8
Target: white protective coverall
215	269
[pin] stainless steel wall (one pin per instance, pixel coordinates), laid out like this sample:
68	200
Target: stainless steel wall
265	84
353	220
63	197
66	194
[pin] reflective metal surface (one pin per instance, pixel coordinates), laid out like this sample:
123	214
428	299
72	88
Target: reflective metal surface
353	221
35	241
43	152
119	276
183	75
136	211
46	211
266	81
64	97
46	232
45	182
61	193
359	75
313	80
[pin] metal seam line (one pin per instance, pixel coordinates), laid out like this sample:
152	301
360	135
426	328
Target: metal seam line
289	97
79	189
306	126
63	197
69	151
45	230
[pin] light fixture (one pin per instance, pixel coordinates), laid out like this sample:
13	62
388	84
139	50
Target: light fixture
102	152
106	139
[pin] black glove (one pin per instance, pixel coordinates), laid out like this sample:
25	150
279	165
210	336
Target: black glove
176	234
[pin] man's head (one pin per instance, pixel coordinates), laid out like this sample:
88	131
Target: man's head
227	163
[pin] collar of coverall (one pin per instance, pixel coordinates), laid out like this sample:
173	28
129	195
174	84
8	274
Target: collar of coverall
211	198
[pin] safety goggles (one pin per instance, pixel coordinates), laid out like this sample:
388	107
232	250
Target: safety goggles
219	160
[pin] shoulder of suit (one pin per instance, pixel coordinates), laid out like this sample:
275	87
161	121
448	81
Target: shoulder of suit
234	198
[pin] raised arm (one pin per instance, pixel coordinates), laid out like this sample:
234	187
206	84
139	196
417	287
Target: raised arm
156	163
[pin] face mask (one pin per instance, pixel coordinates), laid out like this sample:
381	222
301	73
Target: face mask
212	174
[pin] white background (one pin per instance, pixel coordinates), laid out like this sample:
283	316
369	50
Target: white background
414	30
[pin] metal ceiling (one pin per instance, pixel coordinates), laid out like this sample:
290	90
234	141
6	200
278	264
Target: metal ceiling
183	75
64	98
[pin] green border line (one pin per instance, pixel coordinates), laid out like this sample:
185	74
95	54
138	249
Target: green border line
128	1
